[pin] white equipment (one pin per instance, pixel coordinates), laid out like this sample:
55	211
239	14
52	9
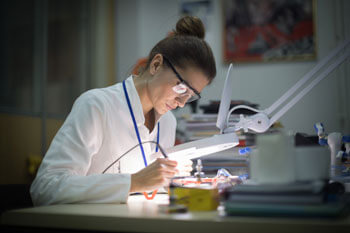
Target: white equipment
262	120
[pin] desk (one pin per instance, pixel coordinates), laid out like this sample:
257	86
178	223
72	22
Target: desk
140	215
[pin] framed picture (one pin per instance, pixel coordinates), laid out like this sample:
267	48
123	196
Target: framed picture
269	30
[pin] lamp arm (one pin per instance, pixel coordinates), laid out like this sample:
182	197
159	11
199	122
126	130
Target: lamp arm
239	107
302	93
260	122
307	76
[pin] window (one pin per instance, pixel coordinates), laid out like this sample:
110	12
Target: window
16	55
44	55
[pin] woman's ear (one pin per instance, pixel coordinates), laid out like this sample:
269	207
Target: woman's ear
156	64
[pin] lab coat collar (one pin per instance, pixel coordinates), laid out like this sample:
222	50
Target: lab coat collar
135	102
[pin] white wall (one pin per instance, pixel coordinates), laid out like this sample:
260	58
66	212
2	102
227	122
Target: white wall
140	24
127	44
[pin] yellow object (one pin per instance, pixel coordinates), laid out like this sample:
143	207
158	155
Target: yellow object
34	162
196	199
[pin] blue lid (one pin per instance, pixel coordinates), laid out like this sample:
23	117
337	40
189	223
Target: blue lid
241	151
245	150
346	138
322	142
317	128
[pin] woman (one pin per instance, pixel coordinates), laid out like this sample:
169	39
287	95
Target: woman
105	123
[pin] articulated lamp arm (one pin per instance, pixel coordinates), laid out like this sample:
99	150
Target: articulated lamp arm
261	122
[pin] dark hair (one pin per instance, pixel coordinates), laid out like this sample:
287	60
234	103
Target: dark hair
186	47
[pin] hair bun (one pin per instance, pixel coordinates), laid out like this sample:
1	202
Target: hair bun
190	26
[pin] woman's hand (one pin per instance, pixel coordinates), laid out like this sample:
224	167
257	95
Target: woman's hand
156	175
184	167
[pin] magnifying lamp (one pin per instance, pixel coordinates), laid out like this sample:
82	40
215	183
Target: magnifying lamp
261	121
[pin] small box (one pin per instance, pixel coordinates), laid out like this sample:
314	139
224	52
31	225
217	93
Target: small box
196	198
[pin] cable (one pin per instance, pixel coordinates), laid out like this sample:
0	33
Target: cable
238	107
160	148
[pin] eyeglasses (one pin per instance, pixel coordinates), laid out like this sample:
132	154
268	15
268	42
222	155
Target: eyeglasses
183	88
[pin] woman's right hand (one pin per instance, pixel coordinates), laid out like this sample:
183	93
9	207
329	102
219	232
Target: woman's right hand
156	175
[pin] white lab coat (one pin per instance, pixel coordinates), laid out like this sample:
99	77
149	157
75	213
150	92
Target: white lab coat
97	131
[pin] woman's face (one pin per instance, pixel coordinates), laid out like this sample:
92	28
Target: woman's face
161	87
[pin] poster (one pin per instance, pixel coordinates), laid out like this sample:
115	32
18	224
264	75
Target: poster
269	30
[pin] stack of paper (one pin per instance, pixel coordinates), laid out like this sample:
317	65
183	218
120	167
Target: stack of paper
297	199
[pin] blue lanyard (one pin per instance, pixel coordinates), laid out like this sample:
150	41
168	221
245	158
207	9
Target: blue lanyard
135	126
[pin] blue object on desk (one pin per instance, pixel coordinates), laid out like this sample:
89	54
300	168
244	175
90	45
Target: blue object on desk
245	150
346	138
323	142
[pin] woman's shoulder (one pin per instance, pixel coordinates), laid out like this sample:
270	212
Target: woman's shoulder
99	95
94	99
90	97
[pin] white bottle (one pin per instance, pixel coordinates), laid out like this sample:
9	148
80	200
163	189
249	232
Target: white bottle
334	141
